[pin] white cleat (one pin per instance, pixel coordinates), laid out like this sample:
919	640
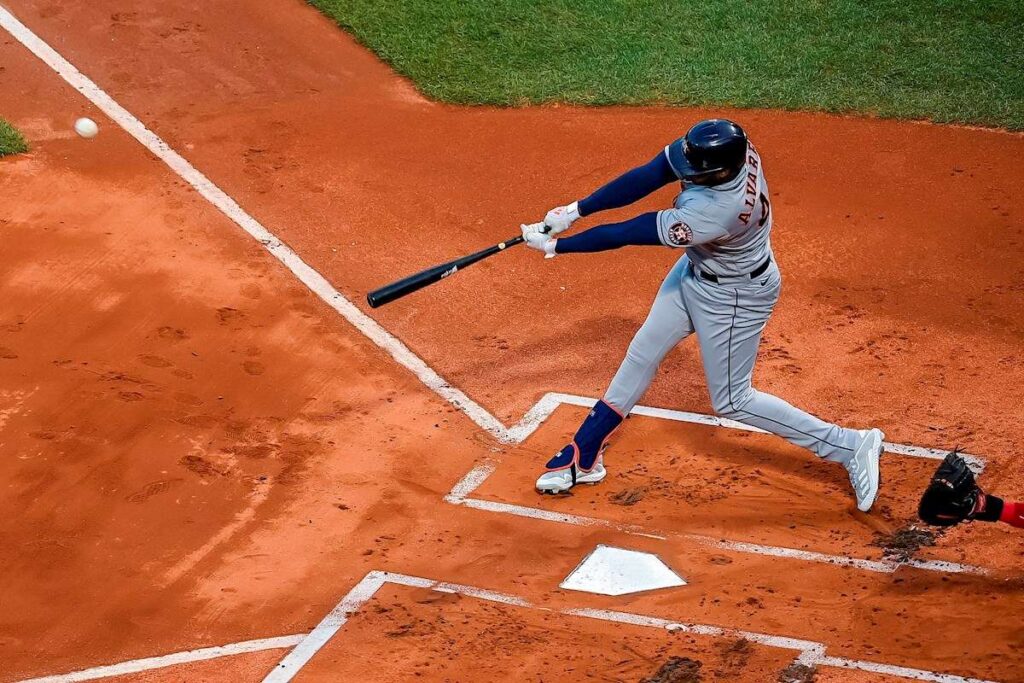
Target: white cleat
863	468
561	481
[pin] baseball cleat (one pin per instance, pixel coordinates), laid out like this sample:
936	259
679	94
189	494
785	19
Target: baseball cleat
561	481
863	468
580	461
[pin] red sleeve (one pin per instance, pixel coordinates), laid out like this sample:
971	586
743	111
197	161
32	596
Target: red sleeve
1013	514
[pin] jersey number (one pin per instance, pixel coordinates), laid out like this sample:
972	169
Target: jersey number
765	210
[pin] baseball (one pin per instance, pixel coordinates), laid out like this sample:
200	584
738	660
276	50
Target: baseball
87	128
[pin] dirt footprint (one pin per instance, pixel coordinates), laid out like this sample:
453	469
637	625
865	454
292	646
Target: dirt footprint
171	333
253	367
226	315
152	489
199	465
251	291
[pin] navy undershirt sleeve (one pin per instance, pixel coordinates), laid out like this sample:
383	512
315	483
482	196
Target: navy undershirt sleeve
630	186
642	230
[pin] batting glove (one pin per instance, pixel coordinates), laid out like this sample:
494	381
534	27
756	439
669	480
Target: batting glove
536	238
561	218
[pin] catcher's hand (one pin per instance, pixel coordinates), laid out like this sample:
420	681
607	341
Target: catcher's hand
952	495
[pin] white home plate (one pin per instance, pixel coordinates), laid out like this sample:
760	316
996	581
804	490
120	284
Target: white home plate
615	571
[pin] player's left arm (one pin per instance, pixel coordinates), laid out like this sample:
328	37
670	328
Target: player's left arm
633	185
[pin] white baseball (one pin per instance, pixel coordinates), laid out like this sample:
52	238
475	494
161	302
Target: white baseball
87	128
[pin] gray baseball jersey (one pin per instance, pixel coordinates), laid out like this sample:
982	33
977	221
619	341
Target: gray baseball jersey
725	229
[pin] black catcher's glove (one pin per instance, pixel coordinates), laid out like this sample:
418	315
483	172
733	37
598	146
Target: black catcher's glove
952	496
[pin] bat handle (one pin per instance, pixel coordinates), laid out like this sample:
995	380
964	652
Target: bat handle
511	243
520	239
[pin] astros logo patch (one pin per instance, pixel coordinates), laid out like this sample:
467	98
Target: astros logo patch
680	233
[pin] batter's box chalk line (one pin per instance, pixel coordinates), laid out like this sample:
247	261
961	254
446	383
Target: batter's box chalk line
460	495
808	652
462	491
305	646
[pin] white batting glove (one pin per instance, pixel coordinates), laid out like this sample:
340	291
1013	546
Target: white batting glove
536	238
561	218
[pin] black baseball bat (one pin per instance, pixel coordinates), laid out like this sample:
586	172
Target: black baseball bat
413	283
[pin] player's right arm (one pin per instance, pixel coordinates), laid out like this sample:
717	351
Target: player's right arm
679	227
629	187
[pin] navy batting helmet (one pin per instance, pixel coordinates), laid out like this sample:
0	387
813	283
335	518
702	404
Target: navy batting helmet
708	150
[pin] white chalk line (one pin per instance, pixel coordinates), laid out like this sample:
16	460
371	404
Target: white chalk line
325	630
878	566
810	653
305	646
475	478
288	667
178	658
555	399
292	261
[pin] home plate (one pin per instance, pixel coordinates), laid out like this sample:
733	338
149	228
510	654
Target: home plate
616	571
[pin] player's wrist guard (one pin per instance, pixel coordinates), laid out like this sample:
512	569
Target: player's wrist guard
573	212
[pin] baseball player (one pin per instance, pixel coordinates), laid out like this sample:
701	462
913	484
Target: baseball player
953	496
722	289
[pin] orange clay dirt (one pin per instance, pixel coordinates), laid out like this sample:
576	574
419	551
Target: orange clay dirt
199	451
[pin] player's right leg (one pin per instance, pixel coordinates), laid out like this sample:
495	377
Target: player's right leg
580	461
729	322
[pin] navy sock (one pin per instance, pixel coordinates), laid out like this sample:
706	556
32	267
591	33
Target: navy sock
583	450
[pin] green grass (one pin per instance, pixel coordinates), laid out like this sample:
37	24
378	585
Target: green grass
946	60
11	141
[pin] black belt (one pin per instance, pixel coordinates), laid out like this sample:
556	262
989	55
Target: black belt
711	277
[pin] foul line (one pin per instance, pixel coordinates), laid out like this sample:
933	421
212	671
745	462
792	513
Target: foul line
283	253
810	653
137	665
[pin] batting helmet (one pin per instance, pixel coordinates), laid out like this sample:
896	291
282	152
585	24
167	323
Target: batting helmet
708	150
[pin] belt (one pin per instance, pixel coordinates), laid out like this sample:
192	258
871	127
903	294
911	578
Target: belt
711	277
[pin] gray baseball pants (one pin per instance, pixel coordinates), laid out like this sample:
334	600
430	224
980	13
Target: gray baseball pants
728	318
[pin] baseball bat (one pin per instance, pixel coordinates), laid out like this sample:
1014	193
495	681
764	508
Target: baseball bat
413	283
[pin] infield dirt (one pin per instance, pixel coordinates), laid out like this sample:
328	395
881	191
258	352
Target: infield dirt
200	451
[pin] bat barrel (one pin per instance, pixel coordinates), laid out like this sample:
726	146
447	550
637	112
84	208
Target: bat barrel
396	290
413	283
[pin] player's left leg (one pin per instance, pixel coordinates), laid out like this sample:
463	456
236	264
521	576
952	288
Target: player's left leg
581	461
729	321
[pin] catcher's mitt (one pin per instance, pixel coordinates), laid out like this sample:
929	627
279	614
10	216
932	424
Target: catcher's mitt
952	495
